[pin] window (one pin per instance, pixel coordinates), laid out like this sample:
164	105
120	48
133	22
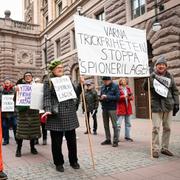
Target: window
59	7
73	40
138	8
46	20
58	47
101	16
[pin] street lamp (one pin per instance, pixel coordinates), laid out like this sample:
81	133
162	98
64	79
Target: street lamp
156	25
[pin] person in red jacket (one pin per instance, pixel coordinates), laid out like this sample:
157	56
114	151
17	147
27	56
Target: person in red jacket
124	108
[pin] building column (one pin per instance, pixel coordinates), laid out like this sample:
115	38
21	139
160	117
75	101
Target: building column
50	10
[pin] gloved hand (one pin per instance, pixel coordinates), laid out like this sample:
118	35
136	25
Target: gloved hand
175	109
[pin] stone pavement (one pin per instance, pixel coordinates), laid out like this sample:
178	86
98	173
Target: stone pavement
129	161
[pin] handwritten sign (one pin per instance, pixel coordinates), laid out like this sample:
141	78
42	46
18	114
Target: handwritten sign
23	96
64	88
110	49
37	96
7	103
160	88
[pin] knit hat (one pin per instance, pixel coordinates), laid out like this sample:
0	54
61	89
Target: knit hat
106	78
54	63
161	60
88	82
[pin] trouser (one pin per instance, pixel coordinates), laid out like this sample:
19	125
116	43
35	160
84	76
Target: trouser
157	118
56	146
127	122
44	131
94	120
20	141
110	114
7	122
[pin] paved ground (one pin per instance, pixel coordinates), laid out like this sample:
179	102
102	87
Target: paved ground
129	161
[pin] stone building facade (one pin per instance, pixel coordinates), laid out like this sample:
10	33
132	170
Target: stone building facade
56	38
20	49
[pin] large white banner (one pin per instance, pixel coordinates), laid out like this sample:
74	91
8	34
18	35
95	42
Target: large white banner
106	49
37	96
64	88
7	103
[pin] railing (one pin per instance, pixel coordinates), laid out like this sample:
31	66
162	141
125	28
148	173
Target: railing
18	25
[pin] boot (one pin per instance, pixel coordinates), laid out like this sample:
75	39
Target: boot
18	152
33	149
3	175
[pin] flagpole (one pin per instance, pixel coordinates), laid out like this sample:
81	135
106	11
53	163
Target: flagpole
150	111
87	125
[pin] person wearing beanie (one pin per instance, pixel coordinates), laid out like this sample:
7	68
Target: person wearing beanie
61	119
164	104
8	118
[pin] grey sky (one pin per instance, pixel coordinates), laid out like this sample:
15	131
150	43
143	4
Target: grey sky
15	6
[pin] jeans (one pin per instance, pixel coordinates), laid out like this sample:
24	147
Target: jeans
6	123
107	115
127	122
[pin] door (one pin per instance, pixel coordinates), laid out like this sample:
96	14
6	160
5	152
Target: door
141	99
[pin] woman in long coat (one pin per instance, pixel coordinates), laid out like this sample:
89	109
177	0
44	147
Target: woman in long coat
28	124
124	108
61	119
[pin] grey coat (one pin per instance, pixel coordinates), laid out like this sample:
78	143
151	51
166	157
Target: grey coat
160	103
64	117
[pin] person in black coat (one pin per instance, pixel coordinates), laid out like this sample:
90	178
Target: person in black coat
61	119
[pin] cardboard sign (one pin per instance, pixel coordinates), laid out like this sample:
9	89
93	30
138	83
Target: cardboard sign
7	103
37	96
107	49
64	88
160	88
23	96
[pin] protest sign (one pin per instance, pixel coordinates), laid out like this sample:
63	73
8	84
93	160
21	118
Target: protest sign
23	95
106	49
63	87
7	103
160	88
37	96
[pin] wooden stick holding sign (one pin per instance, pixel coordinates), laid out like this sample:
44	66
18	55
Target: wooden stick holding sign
87	124
150	110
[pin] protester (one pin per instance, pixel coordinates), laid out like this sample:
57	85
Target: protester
2	174
8	118
164	101
109	96
124	108
92	102
28	124
61	119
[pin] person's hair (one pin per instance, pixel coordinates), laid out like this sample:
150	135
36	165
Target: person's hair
120	80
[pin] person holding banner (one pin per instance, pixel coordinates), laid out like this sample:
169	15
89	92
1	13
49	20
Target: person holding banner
124	108
7	106
28	124
60	109
109	97
164	101
92	102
